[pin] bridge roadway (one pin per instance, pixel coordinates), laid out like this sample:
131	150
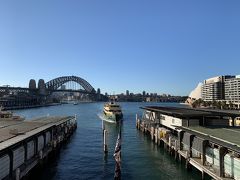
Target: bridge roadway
27	90
52	86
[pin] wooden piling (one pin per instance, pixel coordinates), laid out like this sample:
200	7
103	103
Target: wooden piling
188	165
136	121
203	175
170	144
18	172
175	149
180	157
105	148
143	127
152	133
156	136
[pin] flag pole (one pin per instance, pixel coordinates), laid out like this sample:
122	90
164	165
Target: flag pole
117	156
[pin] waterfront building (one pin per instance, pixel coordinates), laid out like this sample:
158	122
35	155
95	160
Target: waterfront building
232	90
203	137
25	144
127	92
212	89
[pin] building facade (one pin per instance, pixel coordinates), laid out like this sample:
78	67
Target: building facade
232	90
213	89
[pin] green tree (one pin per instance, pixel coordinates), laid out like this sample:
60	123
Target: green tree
223	105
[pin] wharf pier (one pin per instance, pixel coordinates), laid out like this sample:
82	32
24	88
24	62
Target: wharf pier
207	140
25	144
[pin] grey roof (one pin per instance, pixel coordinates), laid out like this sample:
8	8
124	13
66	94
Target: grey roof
190	112
227	137
14	131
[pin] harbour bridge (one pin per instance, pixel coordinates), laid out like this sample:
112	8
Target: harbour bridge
56	90
60	84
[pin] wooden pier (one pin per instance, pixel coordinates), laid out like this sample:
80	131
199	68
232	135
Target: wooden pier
212	150
25	144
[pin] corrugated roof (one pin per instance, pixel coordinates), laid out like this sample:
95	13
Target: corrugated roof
13	130
190	112
227	137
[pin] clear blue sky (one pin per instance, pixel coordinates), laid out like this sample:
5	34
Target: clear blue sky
163	46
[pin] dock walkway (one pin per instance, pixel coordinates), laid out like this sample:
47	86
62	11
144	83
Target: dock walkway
24	144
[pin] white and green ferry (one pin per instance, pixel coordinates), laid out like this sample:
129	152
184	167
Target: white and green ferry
113	112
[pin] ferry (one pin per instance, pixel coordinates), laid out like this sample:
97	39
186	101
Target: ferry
113	112
7	115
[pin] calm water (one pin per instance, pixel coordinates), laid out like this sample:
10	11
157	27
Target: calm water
83	157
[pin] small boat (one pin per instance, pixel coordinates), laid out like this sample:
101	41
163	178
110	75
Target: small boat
113	112
8	115
75	103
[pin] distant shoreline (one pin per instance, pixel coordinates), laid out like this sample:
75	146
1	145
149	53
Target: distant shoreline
29	107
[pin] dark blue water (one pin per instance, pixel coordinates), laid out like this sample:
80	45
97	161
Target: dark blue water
83	157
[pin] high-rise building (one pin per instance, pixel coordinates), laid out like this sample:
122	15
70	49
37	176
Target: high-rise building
212	89
127	92
221	88
232	90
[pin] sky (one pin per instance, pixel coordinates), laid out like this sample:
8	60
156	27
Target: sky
160	46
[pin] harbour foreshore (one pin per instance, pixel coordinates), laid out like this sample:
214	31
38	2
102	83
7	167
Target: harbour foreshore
30	106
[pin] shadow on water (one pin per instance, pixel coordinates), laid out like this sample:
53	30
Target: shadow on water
47	169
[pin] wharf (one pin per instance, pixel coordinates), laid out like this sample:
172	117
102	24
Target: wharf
24	144
201	139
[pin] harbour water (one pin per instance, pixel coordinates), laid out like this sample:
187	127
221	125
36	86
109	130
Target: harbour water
83	156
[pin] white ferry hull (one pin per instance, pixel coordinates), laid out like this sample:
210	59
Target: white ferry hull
113	117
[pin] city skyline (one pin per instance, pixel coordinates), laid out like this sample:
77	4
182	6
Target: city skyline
160	47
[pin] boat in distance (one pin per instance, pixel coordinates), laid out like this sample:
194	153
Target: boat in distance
113	112
8	115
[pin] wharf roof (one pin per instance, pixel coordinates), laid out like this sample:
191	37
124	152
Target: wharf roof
12	132
227	137
191	112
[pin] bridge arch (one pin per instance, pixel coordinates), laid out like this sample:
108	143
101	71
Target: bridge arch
58	82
